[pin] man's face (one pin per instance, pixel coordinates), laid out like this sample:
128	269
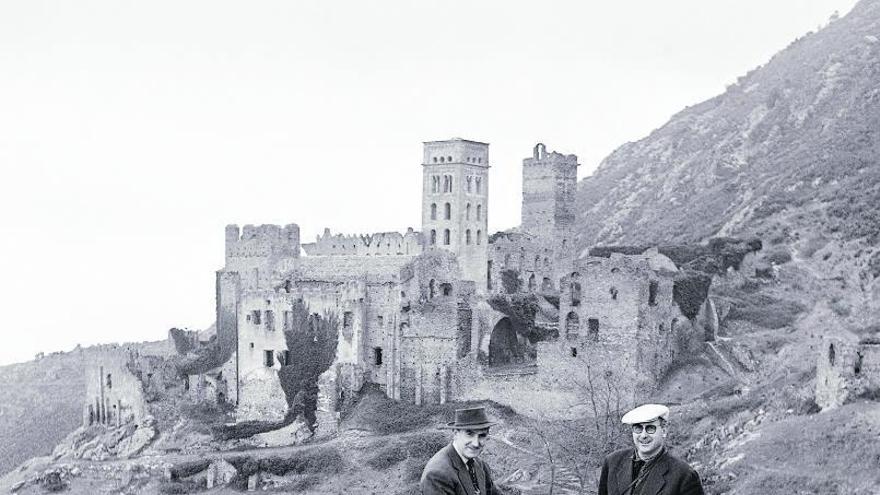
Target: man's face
470	442
648	444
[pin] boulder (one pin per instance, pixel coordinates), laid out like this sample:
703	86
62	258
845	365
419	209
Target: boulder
134	444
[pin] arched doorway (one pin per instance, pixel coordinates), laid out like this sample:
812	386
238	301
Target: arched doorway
503	345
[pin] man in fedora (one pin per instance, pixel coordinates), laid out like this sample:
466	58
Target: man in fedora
648	468
455	469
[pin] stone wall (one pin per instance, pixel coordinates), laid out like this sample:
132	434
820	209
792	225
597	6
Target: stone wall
534	259
114	395
549	183
379	244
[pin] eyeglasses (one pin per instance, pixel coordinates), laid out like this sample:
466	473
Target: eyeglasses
649	429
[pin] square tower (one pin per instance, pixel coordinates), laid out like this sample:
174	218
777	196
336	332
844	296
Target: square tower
455	194
549	182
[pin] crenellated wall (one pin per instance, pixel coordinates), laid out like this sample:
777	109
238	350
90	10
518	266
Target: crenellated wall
378	244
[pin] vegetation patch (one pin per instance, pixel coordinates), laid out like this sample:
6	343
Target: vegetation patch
189	468
181	487
419	447
689	290
312	341
716	257
307	463
778	256
207	357
374	411
521	310
510	281
247	429
764	311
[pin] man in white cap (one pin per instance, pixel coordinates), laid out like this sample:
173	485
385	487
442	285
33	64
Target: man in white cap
648	468
455	469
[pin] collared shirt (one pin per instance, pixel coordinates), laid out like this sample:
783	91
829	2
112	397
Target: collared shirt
463	458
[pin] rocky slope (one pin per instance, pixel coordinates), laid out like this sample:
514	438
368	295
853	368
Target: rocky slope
792	145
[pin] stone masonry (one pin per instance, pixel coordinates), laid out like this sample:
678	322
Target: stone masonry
414	308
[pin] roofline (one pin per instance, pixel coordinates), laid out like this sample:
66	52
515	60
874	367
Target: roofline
455	140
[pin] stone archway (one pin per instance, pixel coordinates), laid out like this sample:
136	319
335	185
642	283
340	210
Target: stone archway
503	345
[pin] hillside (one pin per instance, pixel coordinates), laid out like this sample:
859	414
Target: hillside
41	403
789	154
790	150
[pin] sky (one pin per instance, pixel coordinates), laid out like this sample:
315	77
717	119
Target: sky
132	132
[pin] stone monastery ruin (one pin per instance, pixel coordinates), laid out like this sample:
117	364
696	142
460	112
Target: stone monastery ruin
446	313
419	311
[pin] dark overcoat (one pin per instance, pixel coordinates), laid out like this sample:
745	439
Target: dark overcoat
446	474
670	476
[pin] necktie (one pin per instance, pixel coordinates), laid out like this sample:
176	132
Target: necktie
470	467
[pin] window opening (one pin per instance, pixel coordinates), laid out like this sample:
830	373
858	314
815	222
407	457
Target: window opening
377	356
652	293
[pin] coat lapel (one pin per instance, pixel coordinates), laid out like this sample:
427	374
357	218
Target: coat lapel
657	477
464	478
623	474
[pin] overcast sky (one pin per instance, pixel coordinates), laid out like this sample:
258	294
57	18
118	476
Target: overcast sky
132	132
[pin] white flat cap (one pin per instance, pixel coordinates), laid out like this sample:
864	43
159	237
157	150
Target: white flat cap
645	414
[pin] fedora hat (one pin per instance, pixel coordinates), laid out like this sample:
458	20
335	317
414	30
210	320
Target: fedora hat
473	418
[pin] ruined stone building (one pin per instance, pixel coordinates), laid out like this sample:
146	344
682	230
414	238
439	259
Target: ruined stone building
428	315
846	370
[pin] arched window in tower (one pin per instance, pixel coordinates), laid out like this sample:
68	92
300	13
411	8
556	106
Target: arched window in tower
479	212
467	212
442	159
479	236
470	180
478	184
433	237
447	211
433	211
447	183
446	237
467	236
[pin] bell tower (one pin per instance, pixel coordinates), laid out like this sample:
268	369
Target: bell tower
548	187
455	194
